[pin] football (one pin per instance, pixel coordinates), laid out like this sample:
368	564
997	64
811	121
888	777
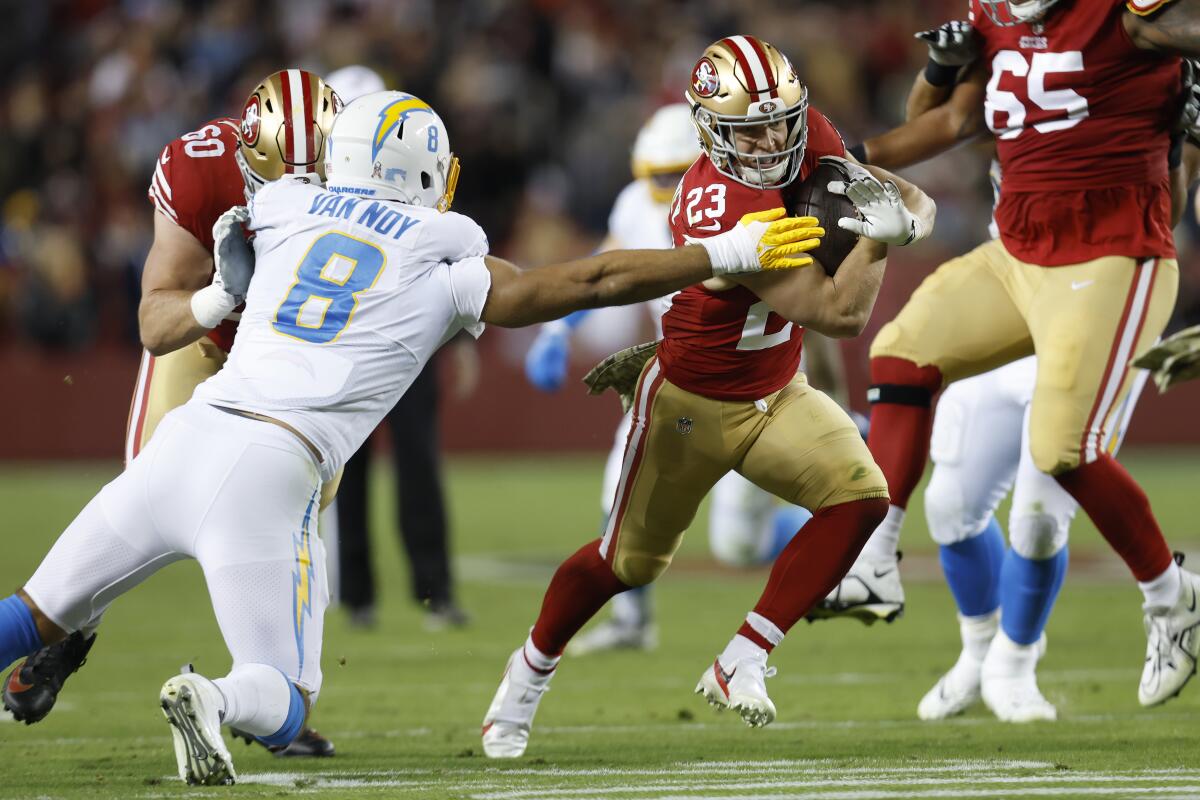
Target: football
811	198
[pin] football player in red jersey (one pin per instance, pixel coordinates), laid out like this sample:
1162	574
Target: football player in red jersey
185	322
722	393
1081	98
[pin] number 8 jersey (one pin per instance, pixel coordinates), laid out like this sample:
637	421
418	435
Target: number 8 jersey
1081	118
728	345
350	298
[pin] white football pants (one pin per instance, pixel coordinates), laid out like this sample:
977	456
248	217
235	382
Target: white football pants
980	449
238	495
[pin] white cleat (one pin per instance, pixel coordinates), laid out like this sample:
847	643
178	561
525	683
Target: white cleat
1173	644
509	718
954	693
1009	681
191	703
614	635
743	689
869	592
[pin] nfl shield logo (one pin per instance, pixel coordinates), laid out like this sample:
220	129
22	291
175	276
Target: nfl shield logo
684	425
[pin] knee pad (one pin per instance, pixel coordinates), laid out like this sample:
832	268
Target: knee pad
639	569
1038	536
946	512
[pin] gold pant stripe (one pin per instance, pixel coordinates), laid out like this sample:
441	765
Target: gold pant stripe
1128	332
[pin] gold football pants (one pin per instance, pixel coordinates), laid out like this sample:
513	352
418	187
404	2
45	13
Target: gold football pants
1086	322
795	443
167	382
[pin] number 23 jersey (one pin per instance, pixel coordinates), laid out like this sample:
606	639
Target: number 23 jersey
728	345
350	298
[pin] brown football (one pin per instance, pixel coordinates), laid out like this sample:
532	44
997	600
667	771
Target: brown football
811	198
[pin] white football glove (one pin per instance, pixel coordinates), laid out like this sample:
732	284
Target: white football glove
233	264
885	218
952	44
763	240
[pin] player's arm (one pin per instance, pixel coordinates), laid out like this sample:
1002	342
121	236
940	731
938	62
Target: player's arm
176	267
952	46
1164	26
825	368
836	306
957	120
763	240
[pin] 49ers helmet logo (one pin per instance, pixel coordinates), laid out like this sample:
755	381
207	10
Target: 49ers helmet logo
250	121
705	81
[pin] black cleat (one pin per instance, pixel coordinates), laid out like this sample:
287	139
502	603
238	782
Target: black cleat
32	688
307	744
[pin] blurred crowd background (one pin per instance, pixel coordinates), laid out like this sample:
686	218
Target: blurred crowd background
542	99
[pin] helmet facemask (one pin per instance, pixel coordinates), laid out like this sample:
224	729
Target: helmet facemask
758	170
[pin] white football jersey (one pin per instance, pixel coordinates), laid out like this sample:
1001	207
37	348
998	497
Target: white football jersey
637	222
350	298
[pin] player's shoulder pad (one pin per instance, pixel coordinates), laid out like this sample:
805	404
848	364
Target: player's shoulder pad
1144	8
450	236
279	199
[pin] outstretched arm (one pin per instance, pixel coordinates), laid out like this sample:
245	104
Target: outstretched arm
1175	29
937	130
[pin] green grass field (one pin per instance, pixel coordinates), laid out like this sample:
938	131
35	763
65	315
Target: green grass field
404	705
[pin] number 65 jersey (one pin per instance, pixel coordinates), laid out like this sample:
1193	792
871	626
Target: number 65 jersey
350	298
1081	118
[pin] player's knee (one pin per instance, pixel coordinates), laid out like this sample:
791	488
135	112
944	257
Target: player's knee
1053	457
945	513
639	569
1037	536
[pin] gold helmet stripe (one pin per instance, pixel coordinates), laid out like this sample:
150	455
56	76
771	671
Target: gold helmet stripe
755	66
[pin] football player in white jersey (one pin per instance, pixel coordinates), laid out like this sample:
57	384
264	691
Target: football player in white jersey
746	525
354	287
979	448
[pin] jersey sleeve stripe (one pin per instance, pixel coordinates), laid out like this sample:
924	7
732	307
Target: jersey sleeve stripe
160	202
160	180
1145	7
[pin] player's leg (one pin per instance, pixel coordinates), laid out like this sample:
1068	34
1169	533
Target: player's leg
975	448
264	565
676	450
631	626
960	322
807	451
747	526
1033	572
1089	320
111	546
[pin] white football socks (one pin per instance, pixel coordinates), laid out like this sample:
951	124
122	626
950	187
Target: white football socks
885	540
977	633
1163	591
257	698
537	662
739	647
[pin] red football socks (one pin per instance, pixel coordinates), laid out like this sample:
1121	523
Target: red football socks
812	564
578	590
901	422
1121	510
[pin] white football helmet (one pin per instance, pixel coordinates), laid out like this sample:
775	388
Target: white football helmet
392	146
664	149
354	81
1009	13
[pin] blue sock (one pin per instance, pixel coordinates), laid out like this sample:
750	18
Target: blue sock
786	522
1028	590
19	635
972	570
292	725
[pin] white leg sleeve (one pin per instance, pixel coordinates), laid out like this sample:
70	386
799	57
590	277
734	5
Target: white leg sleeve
612	467
1041	510
975	448
327	524
739	521
257	698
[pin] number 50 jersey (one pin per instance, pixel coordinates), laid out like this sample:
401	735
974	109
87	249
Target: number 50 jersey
350	298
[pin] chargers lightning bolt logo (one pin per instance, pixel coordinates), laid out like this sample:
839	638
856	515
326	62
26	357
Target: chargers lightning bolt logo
392	116
302	578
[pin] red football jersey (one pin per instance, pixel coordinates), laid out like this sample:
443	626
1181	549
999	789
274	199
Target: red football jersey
1081	119
197	180
729	345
